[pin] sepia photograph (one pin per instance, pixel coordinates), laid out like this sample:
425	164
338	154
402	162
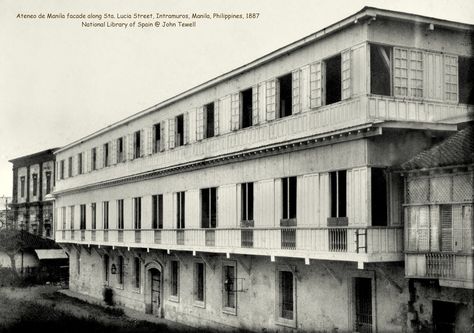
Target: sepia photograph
237	166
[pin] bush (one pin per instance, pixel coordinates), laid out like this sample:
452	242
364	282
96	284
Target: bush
108	295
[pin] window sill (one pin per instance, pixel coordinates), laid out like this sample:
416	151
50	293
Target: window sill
286	322
174	299
199	304
136	290
230	311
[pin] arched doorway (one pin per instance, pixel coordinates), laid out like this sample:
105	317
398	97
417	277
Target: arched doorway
155	277
154	289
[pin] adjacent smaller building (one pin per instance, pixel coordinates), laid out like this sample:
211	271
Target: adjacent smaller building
439	234
33	179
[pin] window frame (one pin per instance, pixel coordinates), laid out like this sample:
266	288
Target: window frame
279	114
157	142
209	131
120	150
174	280
106	154
80	169
69	166
137	148
93	215
137	213
105	215
83	217
94	159
34	176
225	309
249	93
137	274
181	210
211	207
120	271
287	184
245	201
120	211
179	136
22	186
157	212
198	302
279	319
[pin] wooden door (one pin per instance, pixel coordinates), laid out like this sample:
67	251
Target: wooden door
156	292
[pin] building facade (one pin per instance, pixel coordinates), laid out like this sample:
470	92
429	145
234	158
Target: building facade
33	179
264	198
439	234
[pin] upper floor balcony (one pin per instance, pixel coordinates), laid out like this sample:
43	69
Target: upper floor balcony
349	115
369	244
438	228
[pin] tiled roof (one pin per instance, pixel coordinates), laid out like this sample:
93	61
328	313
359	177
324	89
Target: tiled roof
458	149
31	241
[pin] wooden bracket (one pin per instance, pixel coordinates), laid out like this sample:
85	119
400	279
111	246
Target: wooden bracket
120	251
295	272
390	280
98	251
333	274
180	261
246	265
207	262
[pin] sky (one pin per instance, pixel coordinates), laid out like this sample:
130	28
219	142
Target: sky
60	81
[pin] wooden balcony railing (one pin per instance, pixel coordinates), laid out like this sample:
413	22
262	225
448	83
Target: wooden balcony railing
451	268
293	241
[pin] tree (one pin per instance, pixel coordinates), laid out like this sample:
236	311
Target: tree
11	242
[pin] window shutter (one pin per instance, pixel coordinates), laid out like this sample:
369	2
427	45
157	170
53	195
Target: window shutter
216	117
200	123
416	74
400	75
87	160
171	133
113	152
458	228
255	105
305	88
451	78
271	99
446	218
162	135
149	140
130	142
346	74
315	84
295	87
99	157
192	126
235	112
423	229
185	128
143	140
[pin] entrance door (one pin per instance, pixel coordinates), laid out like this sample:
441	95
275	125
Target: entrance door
363	305
444	317
155	292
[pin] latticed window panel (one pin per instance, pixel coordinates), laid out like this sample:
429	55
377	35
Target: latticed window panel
463	188
416	74
400	83
417	190
440	189
451	78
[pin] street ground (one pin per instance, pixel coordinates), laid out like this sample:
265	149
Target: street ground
44	309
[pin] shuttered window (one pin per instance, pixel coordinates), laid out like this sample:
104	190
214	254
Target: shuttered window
400	75
315	84
451	78
446	221
346	74
235	112
416	74
295	86
271	99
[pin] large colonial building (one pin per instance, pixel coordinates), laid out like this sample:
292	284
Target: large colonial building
33	179
264	198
